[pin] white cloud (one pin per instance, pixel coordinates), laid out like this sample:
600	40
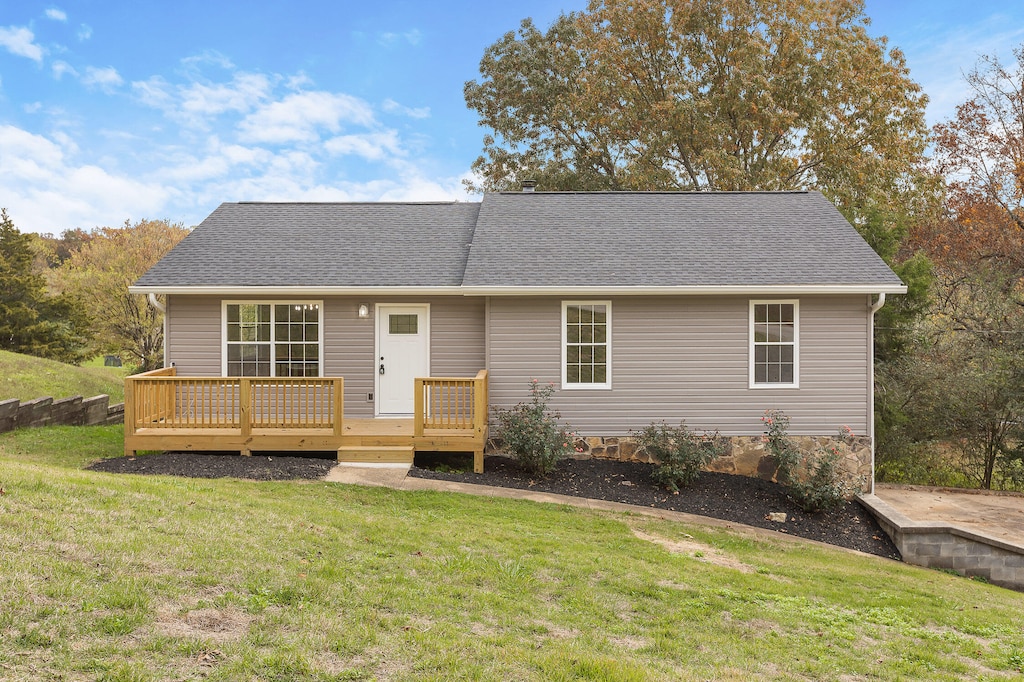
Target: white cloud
195	103
46	191
32	107
105	79
244	92
84	32
299	117
392	107
20	41
371	146
56	14
60	68
391	38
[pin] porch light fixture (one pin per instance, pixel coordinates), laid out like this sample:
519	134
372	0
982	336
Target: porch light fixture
364	311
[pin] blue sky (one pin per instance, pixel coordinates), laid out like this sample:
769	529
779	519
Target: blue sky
113	110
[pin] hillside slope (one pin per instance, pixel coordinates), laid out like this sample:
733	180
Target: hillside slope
26	377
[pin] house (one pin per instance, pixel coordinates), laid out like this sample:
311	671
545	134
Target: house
638	306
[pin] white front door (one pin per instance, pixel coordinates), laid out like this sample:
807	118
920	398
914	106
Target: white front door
403	353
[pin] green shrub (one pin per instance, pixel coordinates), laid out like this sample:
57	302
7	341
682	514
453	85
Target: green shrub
532	434
813	478
681	453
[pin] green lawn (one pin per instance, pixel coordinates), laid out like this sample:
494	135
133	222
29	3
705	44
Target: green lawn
26	377
135	578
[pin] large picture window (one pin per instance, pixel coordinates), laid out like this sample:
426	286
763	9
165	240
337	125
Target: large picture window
774	341
586	344
272	339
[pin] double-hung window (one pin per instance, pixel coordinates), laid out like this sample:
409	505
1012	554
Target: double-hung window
774	343
272	339
586	344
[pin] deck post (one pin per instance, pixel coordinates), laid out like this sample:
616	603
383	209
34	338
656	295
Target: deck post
339	404
480	419
245	413
418	412
129	415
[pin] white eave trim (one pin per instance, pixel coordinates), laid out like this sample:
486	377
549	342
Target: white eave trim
740	290
299	291
589	291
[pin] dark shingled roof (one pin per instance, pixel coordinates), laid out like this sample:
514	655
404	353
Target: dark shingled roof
530	239
663	239
329	244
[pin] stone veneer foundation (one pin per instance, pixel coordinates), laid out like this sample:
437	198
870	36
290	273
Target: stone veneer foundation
746	455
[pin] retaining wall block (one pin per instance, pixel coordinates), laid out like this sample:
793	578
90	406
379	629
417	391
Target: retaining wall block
34	413
8	414
67	411
115	414
96	409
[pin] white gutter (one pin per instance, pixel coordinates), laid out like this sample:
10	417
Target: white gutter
157	305
875	307
779	290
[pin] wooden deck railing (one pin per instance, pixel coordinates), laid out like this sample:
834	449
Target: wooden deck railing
162	400
453	403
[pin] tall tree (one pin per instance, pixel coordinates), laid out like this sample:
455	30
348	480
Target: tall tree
99	273
705	95
31	321
981	153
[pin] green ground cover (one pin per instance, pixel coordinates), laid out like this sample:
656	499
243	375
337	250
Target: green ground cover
26	378
136	578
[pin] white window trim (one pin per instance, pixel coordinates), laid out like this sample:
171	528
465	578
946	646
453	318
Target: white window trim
273	350
608	346
796	343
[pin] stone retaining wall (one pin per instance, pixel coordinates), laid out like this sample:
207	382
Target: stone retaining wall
74	411
746	455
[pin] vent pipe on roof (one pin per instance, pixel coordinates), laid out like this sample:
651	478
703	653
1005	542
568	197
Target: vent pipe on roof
529	185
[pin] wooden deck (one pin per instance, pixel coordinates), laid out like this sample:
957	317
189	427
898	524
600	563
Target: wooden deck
164	411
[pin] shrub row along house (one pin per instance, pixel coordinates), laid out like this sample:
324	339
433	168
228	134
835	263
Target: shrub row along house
381	328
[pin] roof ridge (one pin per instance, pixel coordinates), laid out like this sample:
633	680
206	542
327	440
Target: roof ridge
353	203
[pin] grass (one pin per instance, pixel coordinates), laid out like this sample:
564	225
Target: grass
147	578
26	378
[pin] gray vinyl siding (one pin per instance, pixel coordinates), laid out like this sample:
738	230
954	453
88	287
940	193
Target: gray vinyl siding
456	340
687	358
193	335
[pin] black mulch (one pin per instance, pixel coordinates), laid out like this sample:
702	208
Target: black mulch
738	499
207	465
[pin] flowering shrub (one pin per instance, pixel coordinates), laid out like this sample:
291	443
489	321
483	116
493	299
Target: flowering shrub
681	453
813	478
532	434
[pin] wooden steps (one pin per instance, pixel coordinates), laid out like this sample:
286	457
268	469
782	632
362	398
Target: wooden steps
376	454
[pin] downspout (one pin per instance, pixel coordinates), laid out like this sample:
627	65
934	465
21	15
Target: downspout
875	307
162	309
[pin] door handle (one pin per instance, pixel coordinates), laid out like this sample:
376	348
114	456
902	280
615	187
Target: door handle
382	365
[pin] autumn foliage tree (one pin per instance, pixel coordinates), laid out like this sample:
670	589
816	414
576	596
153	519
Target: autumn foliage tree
99	273
704	95
970	344
981	153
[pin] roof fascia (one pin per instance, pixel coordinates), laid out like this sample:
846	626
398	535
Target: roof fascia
744	290
295	291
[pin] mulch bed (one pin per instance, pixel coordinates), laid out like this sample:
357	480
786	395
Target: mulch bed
738	499
208	465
